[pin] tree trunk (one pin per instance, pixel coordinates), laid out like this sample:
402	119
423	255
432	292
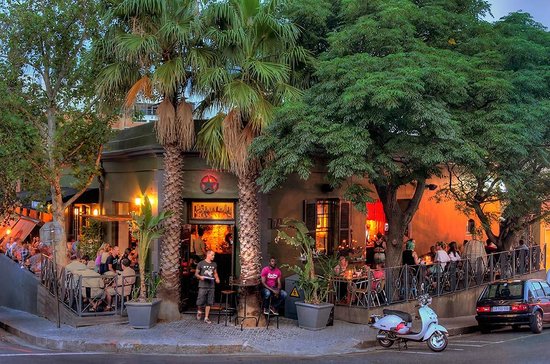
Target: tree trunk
249	238
58	214
169	289
398	220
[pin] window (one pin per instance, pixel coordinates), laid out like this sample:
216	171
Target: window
537	289
546	288
328	222
121	208
505	291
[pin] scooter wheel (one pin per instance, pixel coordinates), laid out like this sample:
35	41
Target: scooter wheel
438	341
385	343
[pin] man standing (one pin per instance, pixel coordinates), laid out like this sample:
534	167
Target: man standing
271	282
197	244
207	274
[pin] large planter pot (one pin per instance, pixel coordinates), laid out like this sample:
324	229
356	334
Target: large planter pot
143	315
313	317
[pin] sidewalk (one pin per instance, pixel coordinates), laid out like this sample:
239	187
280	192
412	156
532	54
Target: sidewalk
190	336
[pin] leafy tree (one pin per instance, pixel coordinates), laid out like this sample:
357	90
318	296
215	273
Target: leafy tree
153	50
385	104
46	46
507	128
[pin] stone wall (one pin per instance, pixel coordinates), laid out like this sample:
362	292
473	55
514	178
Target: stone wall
18	286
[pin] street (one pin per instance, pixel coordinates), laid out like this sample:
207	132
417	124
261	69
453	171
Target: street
503	346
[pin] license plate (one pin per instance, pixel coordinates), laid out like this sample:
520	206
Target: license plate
501	309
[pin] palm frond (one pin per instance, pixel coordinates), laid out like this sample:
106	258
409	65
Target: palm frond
136	47
169	76
144	86
210	143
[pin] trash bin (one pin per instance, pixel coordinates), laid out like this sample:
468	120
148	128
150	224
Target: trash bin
294	295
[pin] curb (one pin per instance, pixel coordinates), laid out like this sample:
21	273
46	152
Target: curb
125	347
139	347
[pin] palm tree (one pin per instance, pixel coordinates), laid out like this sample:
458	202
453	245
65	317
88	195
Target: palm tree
152	50
253	75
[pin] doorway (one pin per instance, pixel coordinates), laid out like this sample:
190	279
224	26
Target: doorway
216	223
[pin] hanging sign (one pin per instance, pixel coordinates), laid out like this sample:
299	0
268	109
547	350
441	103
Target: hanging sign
209	184
212	210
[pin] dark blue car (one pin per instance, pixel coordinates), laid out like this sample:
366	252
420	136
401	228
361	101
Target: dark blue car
514	303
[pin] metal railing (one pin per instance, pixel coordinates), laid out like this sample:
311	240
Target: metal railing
85	295
404	283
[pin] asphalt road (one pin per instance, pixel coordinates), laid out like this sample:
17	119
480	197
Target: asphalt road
504	346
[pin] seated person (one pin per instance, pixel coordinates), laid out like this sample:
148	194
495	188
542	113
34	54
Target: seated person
92	287
75	265
441	257
377	276
342	293
124	283
271	282
342	266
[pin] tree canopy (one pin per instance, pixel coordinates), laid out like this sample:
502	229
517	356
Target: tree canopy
506	125
49	73
401	91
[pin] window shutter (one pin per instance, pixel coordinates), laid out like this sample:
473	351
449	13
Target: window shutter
310	216
345	222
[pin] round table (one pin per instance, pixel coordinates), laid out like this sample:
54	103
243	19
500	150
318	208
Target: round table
244	285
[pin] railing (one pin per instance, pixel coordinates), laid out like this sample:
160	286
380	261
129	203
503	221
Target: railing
86	295
404	283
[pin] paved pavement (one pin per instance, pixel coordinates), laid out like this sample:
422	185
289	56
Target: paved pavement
189	336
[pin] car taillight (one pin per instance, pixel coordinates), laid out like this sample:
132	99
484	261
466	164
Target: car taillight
481	309
520	307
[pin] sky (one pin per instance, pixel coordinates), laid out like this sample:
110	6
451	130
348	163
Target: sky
539	9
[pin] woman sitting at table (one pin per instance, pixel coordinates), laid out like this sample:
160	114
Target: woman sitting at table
342	266
409	256
342	294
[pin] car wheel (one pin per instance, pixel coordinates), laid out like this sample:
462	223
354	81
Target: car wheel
438	341
536	322
485	329
516	327
385	343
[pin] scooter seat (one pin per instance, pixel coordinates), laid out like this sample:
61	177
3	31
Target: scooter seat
404	315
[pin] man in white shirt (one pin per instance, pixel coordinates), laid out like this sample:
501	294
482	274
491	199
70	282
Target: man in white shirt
441	255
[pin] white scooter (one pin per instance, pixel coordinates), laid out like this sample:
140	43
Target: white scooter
396	326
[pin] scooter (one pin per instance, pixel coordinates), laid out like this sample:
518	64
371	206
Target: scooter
396	326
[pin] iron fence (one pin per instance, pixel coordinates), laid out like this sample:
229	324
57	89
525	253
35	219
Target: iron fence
85	294
404	283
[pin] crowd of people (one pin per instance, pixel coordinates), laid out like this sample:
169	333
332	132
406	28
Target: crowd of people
27	253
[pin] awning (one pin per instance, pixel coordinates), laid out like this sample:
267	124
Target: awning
23	228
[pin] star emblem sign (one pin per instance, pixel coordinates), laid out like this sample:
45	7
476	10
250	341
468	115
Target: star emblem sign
209	184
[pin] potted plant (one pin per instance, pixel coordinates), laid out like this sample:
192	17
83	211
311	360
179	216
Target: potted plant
314	312
146	227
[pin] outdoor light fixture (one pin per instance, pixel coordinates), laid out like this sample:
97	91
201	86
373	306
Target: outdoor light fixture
137	201
95	212
8	232
76	210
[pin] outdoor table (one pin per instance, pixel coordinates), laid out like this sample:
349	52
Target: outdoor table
244	285
349	281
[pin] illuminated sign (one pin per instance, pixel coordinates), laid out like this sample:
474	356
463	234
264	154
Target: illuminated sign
209	184
212	210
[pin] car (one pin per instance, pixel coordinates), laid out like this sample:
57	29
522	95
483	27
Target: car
514	303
